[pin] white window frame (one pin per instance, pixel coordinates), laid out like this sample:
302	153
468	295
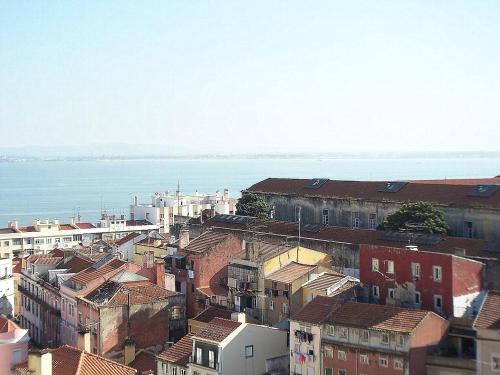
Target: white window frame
436	298
199	356
398	364
362	336
401	341
248	351
328	352
372	221
325	216
382	341
211	359
330	331
364	359
343	332
376	291
355	220
381	360
390	266
341	355
416	270
271	305
375	265
437	273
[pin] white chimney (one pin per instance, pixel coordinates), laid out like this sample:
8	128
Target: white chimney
72	221
40	362
183	238
226	194
83	341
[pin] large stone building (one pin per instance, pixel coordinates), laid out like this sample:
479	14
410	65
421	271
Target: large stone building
471	207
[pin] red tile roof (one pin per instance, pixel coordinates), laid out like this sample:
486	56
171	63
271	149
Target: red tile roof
44	259
85	225
127	238
290	272
316	311
217	330
214	290
446	194
472	247
89	274
66	227
76	264
489	314
206	242
179	352
144	361
68	360
7	325
461	181
140	292
211	312
381	317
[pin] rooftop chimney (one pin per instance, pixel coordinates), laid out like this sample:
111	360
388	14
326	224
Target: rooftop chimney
72	221
129	351
160	273
183	238
226	194
40	362
83	340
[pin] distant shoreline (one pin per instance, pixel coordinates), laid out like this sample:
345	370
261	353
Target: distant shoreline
256	156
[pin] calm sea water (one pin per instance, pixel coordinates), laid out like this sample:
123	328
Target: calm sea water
58	189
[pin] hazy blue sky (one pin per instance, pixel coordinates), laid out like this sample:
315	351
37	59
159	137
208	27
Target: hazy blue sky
251	76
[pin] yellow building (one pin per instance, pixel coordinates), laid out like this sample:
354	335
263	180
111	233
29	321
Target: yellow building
157	245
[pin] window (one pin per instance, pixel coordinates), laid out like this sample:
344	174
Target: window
39	241
298	368
374	264
196	373
495	362
297	347
198	356
249	351
343	332
285	308
341	355
375	291
211	358
173	371
328	352
364	335
325	217
372	221
297	213
438	303
6	243
183	372
17	241
468	230
384	338
328	371
398	363
49	240
417	298
383	361
415	270
391	293
437	273
363	358
401	340
310	371
355	220
331	331
342	372
16	356
390	266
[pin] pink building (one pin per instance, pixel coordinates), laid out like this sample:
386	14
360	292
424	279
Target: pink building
13	345
81	284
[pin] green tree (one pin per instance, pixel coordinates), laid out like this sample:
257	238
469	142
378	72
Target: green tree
253	205
418	217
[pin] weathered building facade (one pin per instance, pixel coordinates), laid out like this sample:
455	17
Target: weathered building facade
471	207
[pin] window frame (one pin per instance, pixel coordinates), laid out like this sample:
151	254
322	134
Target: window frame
247	354
375	265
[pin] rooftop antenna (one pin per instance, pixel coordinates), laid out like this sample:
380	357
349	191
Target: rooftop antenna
300	214
178	198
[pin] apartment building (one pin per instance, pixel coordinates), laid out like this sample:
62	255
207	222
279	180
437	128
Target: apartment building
7	288
45	235
447	284
487	327
471	207
229	347
82	283
165	208
200	268
360	338
331	284
128	307
175	359
41	277
13	344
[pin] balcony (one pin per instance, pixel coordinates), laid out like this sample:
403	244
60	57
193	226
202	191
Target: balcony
451	362
41	302
212	366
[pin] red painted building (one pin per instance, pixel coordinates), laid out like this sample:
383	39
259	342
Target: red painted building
447	284
200	268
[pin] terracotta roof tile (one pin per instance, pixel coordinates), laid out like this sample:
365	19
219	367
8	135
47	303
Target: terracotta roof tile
206	242
324	281
217	330
68	360
76	264
317	310
85	225
179	352
127	238
381	317
489	315
44	259
91	273
7	325
290	272
211	312
447	194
